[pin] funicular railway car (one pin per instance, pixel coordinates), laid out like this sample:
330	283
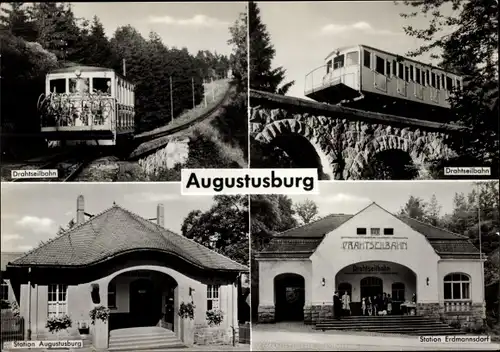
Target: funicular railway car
371	79
86	105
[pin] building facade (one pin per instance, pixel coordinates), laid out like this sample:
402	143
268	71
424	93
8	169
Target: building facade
368	254
138	269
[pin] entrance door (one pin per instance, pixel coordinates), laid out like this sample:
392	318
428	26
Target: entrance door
145	303
371	286
290	298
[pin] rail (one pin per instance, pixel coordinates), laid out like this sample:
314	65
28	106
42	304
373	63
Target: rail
244	333
319	79
457	306
12	329
150	138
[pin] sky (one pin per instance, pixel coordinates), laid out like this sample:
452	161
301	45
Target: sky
194	25
33	212
349	197
304	33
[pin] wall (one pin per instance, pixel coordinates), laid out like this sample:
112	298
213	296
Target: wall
270	269
471	267
397	273
325	265
80	302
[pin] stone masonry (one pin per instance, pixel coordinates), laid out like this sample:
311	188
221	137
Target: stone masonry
316	313
472	317
345	142
214	335
266	314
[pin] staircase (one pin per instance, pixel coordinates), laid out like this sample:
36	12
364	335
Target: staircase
396	324
151	338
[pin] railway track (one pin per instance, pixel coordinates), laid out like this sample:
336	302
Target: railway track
154	139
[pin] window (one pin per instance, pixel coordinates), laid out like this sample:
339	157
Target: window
57	300
112	295
329	66
388	68
423	78
394	67
427	77
79	85
418	76
361	231
352	58
438	81
338	62
407	73
374	231
433	80
457	286
389	231
5	291
401	73
367	59
398	292
411	73
101	85
458	84
379	65
213	296
442	81
449	83
57	85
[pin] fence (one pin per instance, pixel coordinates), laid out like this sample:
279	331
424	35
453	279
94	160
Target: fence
244	332
12	329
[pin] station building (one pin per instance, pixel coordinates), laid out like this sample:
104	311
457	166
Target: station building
135	267
367	254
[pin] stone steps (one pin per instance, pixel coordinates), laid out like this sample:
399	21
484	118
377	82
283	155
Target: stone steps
409	325
144	338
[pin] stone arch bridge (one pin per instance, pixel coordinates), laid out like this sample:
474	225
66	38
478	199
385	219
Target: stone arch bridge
344	141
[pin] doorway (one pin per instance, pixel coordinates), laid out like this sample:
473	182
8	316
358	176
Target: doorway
145	303
371	286
290	297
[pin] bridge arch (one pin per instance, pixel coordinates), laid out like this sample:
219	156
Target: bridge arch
305	146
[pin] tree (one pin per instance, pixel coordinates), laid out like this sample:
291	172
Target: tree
223	228
306	211
470	48
17	22
414	208
239	56
262	75
433	211
97	47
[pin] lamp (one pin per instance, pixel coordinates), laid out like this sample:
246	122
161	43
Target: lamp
323	282
191	291
427	281
78	73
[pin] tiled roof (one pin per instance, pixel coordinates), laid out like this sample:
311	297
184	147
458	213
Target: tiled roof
7	257
116	231
302	241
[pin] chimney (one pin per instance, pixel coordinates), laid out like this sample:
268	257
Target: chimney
160	215
80	210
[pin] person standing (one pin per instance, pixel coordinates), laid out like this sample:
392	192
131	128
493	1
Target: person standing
346	304
337	305
363	306
389	304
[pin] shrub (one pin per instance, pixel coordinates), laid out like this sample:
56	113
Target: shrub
186	310
14	307
55	324
214	317
99	313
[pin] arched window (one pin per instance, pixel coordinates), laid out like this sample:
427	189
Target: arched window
398	292
343	287
457	286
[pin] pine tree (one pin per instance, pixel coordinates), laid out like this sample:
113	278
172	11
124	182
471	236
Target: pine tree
262	75
471	50
16	20
239	56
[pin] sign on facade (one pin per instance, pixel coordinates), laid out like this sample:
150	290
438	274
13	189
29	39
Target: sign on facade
375	245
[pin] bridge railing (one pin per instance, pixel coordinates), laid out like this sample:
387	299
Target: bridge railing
319	79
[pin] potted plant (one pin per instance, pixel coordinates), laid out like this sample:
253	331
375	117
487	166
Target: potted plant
214	317
56	324
99	313
186	312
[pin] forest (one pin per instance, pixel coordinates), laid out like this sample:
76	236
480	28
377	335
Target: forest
39	37
478	209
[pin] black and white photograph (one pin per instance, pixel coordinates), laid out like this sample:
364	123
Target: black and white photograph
375	90
124	267
110	91
377	267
